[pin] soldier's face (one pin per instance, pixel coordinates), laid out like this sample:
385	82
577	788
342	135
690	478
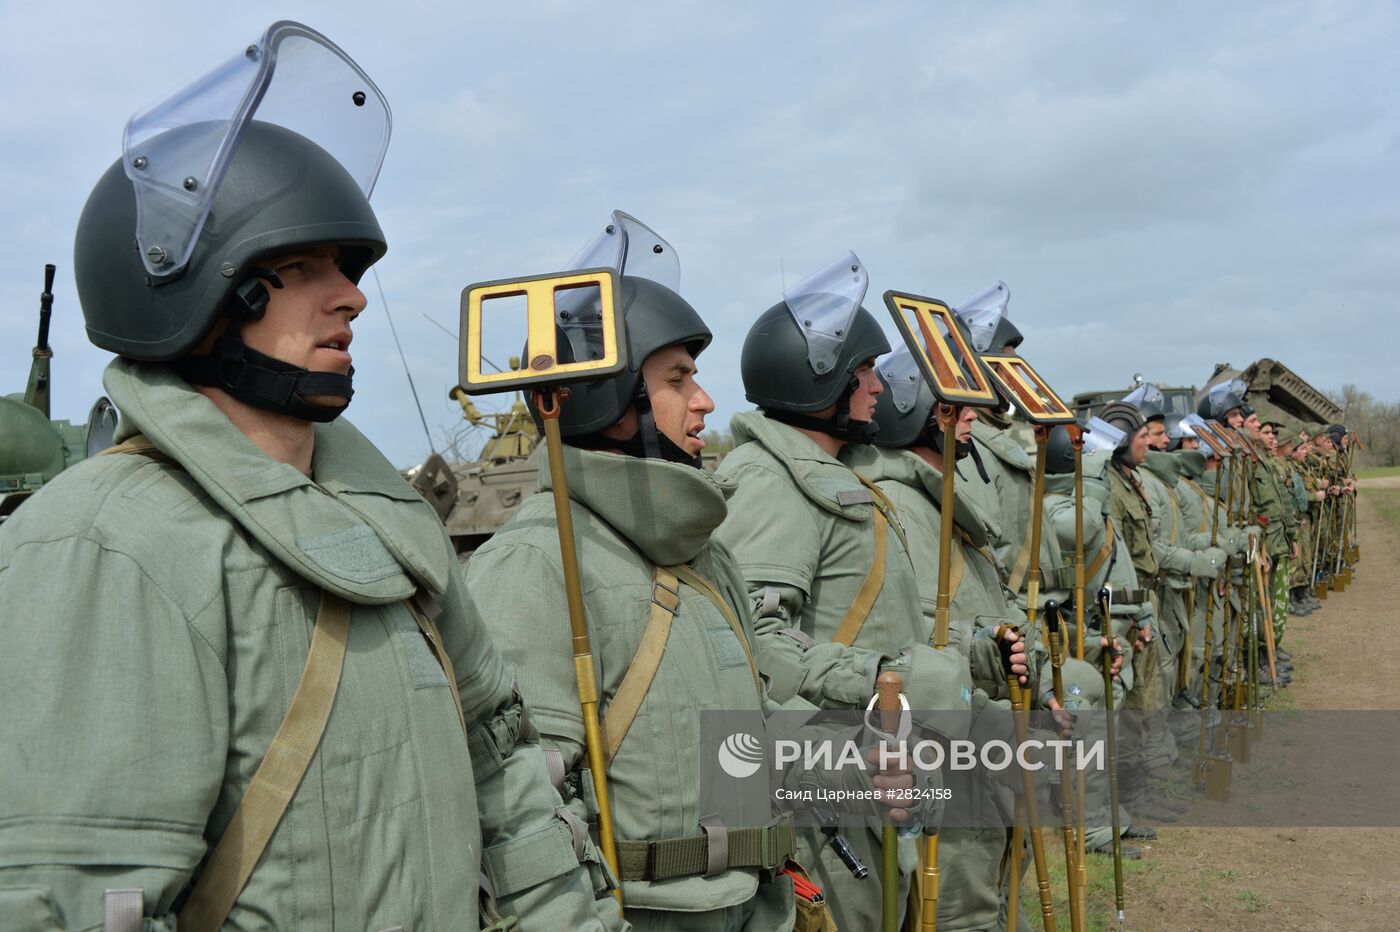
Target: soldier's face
308	319
678	403
966	416
1252	425
867	391
1270	440
1190	443
1138	446
1157	437
1234	418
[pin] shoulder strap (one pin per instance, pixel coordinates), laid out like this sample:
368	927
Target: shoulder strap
849	629
1104	551
1019	569
277	777
707	589
424	609
665	602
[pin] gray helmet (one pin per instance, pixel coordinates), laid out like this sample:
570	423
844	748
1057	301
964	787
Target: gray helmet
1222	398
1059	452
656	317
904	409
281	192
1149	401
775	369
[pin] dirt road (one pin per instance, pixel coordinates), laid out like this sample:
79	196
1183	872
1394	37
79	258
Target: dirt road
1283	879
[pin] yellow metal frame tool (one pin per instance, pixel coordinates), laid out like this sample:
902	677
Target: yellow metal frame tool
1022	386
918	319
542	366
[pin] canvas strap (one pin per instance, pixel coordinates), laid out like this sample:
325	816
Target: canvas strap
765	847
1099	558
636	682
849	629
277	777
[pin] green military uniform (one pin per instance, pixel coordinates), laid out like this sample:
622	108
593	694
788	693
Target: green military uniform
973	891
1274	504
1133	517
804	531
632	515
1184	554
1198	513
1304	483
161	611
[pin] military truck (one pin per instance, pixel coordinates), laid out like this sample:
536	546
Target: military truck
1277	393
35	448
1180	399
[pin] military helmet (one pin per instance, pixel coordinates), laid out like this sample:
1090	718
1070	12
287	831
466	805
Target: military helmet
800	356
1149	401
656	317
984	315
1059	451
1123	415
281	192
904	409
1222	398
274	150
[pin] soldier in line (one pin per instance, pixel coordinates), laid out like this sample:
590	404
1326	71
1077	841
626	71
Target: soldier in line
161	603
823	550
656	585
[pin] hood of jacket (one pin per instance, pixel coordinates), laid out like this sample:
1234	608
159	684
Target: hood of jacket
357	529
666	510
879	464
825	480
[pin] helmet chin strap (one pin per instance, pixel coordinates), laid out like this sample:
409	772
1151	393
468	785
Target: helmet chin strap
646	443
258	379
933	437
841	425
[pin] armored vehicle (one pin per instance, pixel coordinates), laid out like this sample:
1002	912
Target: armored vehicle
35	448
1277	393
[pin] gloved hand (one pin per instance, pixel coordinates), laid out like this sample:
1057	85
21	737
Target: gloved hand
1207	563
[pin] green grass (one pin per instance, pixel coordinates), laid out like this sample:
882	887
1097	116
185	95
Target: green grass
1377	472
1139	879
1387	502
1252	901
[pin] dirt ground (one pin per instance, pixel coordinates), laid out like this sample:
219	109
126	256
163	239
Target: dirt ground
1311	878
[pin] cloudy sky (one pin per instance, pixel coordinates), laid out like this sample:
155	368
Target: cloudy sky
1162	186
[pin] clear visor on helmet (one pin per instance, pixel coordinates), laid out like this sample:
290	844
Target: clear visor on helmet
628	247
824	306
982	312
294	77
1189	426
1231	390
1149	393
1101	435
901	374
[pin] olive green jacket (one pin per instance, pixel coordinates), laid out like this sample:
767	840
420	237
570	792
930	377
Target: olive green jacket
802	525
1132	516
156	622
630	515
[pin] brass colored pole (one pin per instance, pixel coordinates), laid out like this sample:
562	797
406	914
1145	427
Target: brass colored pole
547	402
929	875
1067	815
1042	437
1042	869
888	687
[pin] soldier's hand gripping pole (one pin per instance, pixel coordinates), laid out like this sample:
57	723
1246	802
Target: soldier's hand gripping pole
1019	708
1105	606
888	688
547	403
1073	869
